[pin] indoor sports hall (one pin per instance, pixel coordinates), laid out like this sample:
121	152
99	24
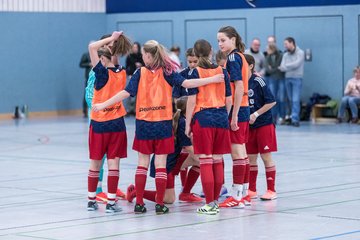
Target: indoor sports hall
54	124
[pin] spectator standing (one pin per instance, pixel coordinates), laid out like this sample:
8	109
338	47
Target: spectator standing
276	81
293	65
258	56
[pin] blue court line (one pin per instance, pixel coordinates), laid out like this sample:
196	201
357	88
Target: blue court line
336	235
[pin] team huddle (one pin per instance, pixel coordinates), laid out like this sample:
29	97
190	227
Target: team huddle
220	108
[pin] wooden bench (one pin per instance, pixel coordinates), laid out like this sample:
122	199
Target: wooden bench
317	114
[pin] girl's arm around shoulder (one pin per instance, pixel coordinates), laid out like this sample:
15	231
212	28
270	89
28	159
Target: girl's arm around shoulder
176	79
115	99
193	83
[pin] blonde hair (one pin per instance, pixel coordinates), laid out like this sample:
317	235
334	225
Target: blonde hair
160	56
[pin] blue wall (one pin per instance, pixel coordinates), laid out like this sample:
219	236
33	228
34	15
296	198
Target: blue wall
40	58
41	51
331	32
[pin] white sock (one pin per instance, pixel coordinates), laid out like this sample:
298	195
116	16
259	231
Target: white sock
245	190
236	191
112	197
91	196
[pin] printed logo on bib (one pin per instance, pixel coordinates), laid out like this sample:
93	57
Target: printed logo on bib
152	108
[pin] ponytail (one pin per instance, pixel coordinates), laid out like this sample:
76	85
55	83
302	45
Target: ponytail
122	46
160	56
204	62
231	32
202	50
175	121
180	109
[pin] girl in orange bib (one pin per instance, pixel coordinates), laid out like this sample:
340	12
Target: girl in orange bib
230	43
207	113
152	85
107	134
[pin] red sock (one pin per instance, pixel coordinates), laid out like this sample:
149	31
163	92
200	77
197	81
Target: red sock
207	178
160	182
113	180
270	178
93	178
183	175
223	163
218	176
150	195
140	182
191	179
170	182
239	167
247	170
253	177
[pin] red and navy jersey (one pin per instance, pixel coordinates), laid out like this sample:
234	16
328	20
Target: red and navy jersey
179	91
181	141
108	82
234	66
259	95
149	130
211	117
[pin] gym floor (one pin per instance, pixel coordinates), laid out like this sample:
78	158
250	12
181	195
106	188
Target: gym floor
44	166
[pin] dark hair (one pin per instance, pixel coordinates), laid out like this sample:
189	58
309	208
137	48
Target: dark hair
250	60
122	46
202	50
220	56
105	36
231	32
290	40
139	47
190	52
180	106
175	48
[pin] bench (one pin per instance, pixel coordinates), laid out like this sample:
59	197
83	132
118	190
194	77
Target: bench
317	114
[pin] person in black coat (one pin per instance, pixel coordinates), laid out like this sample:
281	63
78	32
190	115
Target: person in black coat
134	59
